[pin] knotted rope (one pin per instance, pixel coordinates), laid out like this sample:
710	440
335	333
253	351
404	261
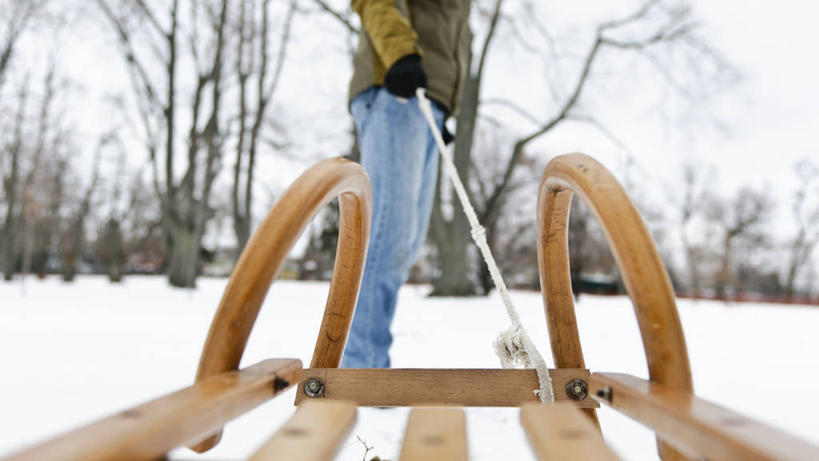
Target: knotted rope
513	346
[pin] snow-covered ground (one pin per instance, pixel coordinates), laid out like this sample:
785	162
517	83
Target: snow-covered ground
72	353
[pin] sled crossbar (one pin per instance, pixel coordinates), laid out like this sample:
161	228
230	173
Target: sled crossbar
398	387
686	421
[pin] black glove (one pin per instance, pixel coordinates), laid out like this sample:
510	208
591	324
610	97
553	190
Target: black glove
406	76
447	136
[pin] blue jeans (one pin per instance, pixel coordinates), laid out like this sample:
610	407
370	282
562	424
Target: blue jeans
401	158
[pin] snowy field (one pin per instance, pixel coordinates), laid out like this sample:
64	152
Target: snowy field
73	353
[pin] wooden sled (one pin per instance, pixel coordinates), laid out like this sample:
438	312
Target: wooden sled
687	427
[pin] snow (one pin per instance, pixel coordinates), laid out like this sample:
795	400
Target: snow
73	353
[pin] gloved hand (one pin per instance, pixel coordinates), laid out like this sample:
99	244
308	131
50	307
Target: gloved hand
447	135
406	76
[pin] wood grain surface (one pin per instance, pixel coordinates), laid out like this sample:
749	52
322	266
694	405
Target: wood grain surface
314	433
265	254
435	434
641	269
397	387
562	432
696	425
148	431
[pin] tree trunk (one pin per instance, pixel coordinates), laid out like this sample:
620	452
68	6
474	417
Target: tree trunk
72	246
692	261
8	247
454	277
724	276
183	257
69	266
241	227
8	253
453	262
112	250
451	237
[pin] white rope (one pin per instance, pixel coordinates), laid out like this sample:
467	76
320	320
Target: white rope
513	346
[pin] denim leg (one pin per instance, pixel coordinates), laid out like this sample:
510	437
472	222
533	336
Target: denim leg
427	193
399	154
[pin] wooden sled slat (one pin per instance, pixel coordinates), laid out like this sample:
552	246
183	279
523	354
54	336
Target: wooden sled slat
435	434
399	387
561	432
314	433
150	430
695	424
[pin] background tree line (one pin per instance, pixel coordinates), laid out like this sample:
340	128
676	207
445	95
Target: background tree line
199	107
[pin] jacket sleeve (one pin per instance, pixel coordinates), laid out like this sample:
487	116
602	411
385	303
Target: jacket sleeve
389	30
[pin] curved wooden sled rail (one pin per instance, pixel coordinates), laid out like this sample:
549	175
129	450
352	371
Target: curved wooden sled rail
643	273
265	253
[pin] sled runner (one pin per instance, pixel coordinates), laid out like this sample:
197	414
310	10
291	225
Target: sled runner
687	427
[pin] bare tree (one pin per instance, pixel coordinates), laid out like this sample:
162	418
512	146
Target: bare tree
16	15
11	185
142	227
676	30
695	196
668	27
319	255
741	222
451	236
110	246
806	215
184	200
33	202
253	36
505	235
73	238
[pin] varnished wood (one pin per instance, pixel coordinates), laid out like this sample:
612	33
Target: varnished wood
697	425
691	426
398	387
642	271
150	430
435	434
314	433
265	254
562	432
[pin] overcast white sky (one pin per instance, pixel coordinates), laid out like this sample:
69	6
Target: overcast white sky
750	133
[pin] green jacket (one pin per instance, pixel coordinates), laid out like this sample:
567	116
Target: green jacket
438	30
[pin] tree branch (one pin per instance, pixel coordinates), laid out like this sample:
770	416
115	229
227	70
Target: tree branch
516	108
285	41
130	55
604	130
346	23
21	14
637	15
599	42
152	18
493	23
